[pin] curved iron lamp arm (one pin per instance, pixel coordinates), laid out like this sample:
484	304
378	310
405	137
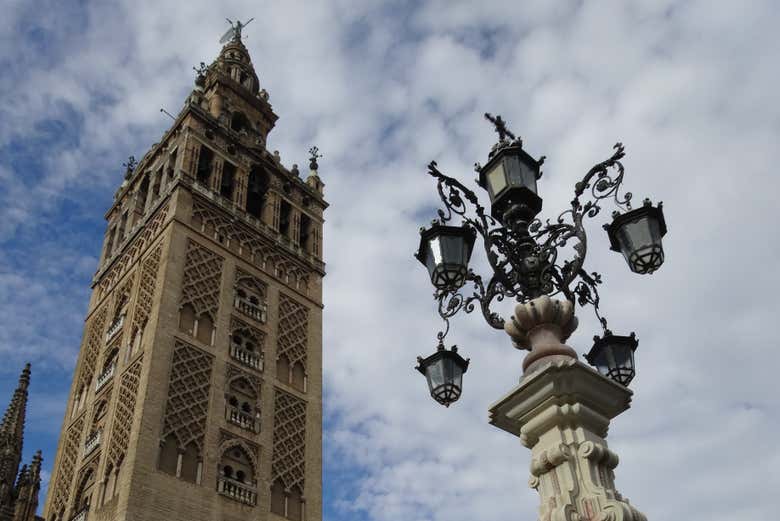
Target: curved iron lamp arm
523	257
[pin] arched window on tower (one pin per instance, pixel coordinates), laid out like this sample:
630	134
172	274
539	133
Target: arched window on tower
205	165
256	192
83	498
110	484
169	455
278	498
190	464
239	122
298	377
285	217
199	326
236	476
289	504
205	328
245	79
295	504
246	347
241	408
306	233
141	194
120	234
110	242
227	182
250	298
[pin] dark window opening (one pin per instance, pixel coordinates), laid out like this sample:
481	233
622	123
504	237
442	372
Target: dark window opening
110	241
121	233
285	212
157	184
228	175
239	121
305	239
172	163
256	192
205	161
140	196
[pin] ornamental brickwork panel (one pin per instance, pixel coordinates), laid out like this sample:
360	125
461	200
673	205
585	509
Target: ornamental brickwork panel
138	246
70	453
122	293
125	411
94	341
293	331
143	304
251	283
202	276
288	460
186	411
262	249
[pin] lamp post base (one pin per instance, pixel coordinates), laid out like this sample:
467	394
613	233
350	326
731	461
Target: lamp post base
561	411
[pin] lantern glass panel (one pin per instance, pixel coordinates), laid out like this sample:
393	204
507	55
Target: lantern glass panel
496	180
520	174
603	361
435	374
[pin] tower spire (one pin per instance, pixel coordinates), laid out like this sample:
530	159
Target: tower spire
11	437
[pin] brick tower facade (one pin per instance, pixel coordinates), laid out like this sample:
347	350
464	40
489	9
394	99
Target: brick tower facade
197	394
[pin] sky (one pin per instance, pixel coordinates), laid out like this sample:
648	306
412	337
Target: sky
382	88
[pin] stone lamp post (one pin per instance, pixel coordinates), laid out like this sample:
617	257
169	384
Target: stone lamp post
561	411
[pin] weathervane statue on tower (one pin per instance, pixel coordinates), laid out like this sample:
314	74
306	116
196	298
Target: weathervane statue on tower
234	33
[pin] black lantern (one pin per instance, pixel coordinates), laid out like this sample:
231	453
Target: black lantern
444	372
637	235
446	251
510	179
613	356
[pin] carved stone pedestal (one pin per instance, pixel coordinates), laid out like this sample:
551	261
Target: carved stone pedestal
561	411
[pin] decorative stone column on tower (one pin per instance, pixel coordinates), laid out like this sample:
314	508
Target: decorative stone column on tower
561	411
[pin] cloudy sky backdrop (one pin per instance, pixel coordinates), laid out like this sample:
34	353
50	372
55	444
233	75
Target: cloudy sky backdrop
382	88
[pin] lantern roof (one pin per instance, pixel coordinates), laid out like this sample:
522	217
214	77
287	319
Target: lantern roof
620	219
437	229
502	149
442	352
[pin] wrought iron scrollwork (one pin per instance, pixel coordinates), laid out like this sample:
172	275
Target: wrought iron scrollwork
524	256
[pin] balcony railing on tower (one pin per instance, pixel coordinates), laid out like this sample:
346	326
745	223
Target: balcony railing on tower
92	442
81	515
115	327
105	377
256	311
242	492
246	357
243	419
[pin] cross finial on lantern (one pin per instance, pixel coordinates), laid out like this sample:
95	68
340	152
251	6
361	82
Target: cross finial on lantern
500	126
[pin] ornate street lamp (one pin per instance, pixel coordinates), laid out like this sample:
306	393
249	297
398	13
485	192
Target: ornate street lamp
613	356
444	372
523	251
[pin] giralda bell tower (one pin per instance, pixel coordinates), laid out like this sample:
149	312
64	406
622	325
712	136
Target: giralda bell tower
197	394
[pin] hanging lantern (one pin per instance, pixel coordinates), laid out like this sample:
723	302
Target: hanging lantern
613	356
446	251
510	180
637	235
444	372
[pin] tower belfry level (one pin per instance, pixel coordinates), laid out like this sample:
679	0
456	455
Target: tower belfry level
197	394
